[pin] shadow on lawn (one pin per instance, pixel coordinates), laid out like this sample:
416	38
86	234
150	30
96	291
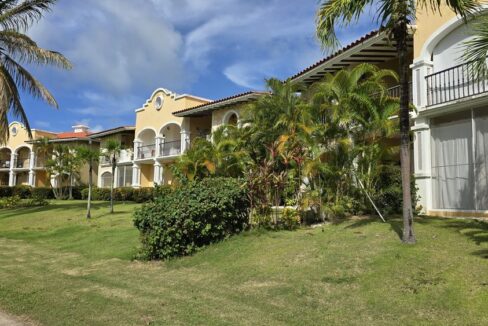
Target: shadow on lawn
475	230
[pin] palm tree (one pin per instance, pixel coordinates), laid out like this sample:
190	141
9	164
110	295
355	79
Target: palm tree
112	150
477	47
395	17
89	156
16	48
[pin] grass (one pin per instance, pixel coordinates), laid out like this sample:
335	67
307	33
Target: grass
57	268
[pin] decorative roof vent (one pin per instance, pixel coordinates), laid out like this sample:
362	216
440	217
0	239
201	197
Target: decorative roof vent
81	128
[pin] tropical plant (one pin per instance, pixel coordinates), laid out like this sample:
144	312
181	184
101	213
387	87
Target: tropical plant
63	170
17	49
395	16
90	156
477	47
112	150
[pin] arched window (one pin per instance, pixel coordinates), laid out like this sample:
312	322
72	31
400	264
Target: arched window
106	180
232	120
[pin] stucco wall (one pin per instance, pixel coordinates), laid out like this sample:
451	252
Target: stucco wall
147	175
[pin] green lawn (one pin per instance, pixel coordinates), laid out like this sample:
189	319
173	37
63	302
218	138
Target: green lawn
57	268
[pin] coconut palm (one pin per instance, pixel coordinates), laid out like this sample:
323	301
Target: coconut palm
89	156
112	150
395	17
17	49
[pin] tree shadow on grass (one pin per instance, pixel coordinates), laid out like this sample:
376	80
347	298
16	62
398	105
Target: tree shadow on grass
395	223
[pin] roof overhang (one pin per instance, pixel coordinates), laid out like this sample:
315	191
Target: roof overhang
112	131
374	47
206	109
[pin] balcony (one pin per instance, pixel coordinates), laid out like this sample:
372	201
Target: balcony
455	83
5	164
22	163
146	152
126	155
395	91
171	148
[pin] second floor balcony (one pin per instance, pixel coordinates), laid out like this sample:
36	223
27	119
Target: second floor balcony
146	152
171	148
455	83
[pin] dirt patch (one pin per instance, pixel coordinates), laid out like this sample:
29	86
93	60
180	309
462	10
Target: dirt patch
8	320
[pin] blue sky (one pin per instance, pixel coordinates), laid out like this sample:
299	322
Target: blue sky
124	49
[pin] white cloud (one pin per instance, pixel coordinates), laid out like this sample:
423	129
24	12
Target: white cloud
115	45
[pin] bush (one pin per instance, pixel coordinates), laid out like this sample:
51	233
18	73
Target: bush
290	219
196	214
141	195
17	202
42	193
6	191
23	192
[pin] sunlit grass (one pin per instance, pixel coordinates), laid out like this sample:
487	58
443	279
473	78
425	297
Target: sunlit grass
59	269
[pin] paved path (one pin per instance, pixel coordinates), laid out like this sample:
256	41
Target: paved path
6	320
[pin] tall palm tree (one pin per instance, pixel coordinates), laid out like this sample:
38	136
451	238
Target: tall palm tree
395	17
16	49
89	156
112	150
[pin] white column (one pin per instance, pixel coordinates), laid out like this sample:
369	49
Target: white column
159	141
137	144
422	162
136	176
32	164
185	140
420	69
157	173
12	175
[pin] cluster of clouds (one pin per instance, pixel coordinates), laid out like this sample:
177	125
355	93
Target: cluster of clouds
123	49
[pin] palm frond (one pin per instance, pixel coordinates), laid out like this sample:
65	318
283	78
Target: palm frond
21	15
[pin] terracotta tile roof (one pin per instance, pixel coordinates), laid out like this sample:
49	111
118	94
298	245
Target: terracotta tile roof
335	54
229	99
112	131
66	135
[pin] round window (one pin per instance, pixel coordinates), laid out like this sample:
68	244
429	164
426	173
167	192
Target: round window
158	103
14	131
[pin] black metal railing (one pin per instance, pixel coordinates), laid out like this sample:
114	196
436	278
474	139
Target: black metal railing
170	148
455	83
147	151
395	91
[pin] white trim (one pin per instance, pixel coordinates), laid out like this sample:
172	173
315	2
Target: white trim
146	128
441	33
167	124
171	94
29	147
228	114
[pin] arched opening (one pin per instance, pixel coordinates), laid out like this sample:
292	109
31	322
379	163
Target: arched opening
5	156
23	158
106	180
147	147
231	119
171	143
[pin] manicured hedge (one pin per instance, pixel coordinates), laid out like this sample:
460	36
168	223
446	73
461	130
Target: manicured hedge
27	192
179	222
139	195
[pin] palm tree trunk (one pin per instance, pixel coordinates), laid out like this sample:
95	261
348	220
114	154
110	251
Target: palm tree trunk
90	185
70	186
112	186
401	34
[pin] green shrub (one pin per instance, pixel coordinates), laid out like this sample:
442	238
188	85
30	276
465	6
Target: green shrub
143	195
17	202
6	191
23	192
42	193
10	202
124	194
290	219
191	216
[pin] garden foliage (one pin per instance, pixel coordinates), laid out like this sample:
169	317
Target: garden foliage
198	213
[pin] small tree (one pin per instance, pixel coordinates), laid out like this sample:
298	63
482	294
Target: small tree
64	166
89	156
112	150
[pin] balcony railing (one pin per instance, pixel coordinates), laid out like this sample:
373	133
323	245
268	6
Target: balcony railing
170	148
22	163
455	83
148	151
4	164
395	91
